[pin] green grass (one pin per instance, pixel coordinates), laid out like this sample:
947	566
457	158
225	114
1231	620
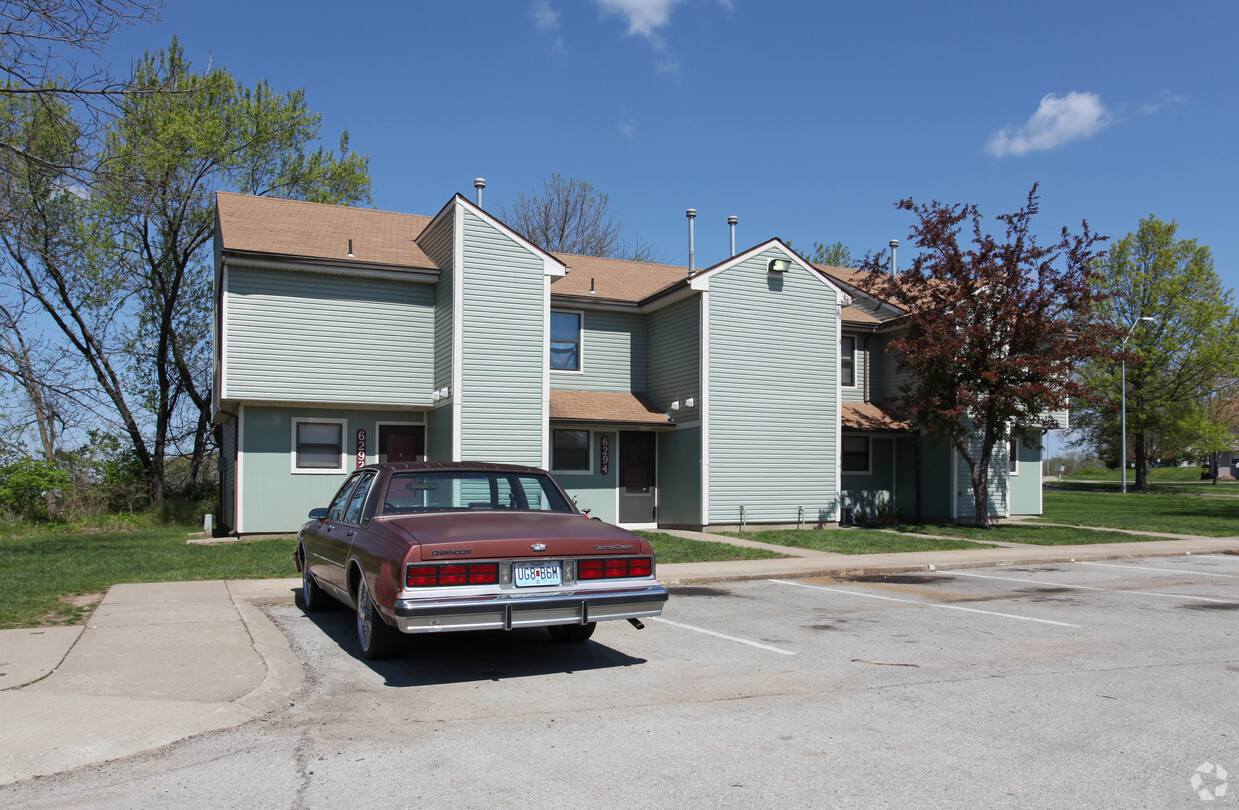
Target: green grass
855	541
1223	488
41	575
671	549
1026	533
1156	474
1174	513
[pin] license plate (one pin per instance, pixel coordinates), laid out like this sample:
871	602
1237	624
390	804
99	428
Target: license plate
532	574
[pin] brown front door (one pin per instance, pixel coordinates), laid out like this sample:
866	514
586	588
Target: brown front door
636	477
402	443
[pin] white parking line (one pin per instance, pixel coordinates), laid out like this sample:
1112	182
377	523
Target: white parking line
1087	588
925	604
1164	570
756	644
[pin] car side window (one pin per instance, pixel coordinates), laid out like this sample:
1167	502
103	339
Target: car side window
336	510
352	512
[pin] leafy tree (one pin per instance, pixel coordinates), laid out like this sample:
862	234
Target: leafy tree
994	329
572	216
1178	362
124	272
833	255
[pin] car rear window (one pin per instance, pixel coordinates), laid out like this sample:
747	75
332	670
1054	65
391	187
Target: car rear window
448	491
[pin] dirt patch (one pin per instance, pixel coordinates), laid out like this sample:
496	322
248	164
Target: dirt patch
73	609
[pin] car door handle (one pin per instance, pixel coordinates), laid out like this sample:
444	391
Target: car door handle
350	534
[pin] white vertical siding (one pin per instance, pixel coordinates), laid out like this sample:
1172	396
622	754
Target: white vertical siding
773	401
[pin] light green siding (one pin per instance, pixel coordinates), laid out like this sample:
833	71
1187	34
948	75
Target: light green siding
856	393
314	337
997	482
887	377
772	398
869	494
502	351
438	241
934	488
1026	483
439	434
675	358
272	498
613	354
679	477
594	491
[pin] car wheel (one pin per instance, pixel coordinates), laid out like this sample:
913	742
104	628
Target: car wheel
571	633
312	598
378	638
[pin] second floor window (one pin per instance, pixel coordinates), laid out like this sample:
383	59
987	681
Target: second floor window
847	361
566	341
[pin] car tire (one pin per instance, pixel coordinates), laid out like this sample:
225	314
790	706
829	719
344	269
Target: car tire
378	639
571	633
312	597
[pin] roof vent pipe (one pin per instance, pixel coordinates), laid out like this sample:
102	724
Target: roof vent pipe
732	222
692	244
350	250
894	264
479	183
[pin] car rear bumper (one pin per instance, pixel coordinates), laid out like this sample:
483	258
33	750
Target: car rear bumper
510	610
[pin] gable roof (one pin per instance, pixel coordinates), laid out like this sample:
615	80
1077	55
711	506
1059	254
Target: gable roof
292	228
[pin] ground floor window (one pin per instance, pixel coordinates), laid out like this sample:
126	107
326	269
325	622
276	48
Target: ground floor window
855	454
318	445
570	451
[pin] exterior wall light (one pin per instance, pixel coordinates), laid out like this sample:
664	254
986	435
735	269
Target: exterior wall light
779	265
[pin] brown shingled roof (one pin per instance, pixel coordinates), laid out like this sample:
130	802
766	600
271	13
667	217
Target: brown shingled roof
869	417
615	279
269	225
600	406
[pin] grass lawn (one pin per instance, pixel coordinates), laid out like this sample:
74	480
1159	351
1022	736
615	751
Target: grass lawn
1176	513
1222	489
55	578
1156	475
1027	533
855	541
671	549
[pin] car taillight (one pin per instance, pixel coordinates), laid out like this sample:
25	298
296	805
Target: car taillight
431	576
615	568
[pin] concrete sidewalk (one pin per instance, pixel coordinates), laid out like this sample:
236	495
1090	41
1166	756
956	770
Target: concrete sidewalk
162	662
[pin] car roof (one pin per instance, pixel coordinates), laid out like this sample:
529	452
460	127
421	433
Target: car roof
453	466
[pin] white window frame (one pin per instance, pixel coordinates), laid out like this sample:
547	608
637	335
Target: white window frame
855	347
1013	454
868	455
580	342
344	455
589	445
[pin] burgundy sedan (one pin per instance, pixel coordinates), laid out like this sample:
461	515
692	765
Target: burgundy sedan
425	547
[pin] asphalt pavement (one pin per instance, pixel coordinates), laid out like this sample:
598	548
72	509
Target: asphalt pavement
159	663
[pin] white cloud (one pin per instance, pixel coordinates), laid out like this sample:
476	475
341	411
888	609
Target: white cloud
1057	121
643	15
1164	99
545	18
627	129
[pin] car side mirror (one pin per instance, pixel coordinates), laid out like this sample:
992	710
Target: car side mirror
318	514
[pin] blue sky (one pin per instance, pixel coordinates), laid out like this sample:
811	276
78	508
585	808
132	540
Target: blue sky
807	120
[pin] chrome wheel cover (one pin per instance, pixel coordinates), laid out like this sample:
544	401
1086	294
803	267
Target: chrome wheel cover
365	616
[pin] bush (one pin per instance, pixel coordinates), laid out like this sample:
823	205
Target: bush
23	484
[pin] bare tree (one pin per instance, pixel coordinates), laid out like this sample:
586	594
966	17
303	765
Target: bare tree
572	216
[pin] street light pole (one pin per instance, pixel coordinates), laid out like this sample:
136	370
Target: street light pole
1123	399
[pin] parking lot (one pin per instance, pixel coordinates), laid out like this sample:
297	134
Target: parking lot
1096	684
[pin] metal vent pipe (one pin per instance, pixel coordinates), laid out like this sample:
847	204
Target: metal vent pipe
894	264
692	242
732	222
479	183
